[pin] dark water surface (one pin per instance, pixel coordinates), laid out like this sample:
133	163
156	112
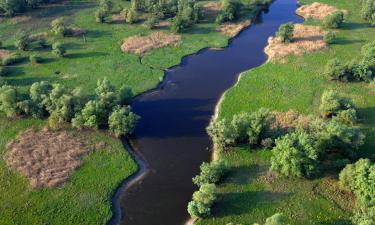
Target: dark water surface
171	135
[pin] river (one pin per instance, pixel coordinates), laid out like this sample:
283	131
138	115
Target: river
171	136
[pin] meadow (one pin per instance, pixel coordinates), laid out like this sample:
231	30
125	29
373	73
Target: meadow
245	195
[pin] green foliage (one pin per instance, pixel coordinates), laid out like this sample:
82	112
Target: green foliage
58	49
334	20
178	24
360	179
100	15
211	172
336	70
122	121
22	41
10	7
332	103
285	33
151	22
295	154
221	134
39	95
329	37
125	95
364	216
277	219
8	100
131	16
229	11
368	11
202	201
58	27
106	5
35	59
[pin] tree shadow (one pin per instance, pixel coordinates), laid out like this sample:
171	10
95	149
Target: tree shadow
354	26
85	55
48	60
245	174
337	222
97	33
26	81
343	41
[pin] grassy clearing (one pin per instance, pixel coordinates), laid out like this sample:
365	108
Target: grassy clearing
246	197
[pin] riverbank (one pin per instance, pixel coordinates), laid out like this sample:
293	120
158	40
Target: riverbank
250	193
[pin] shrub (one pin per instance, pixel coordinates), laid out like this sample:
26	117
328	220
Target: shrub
332	103
100	15
55	121
295	154
178	24
348	116
259	126
22	41
210	172
202	201
8	100
125	95
78	122
122	121
285	33
334	20
368	11
58	49
277	219
364	216
368	53
359	178
229	11
89	115
131	16
337	70
240	124
12	59
329	37
58	27
151	22
106	5
360	71
34	59
221	134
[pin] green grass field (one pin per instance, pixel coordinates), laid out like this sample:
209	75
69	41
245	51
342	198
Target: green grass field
85	198
246	197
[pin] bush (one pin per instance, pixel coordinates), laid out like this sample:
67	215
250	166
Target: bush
178	24
22	41
229	11
240	124
337	70
12	59
331	104
295	154
8	100
151	22
58	27
348	117
34	59
210	172
100	15
359	178
334	20
221	134
285	33
130	15
277	219
202	201
125	95
329	37
364	216
122	121
58	49
368	11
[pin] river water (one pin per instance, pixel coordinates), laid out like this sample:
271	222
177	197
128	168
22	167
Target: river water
171	136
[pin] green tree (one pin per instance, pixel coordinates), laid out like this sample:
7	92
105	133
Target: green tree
285	33
277	219
122	121
58	27
125	95
334	20
221	134
202	201
22	41
58	49
332	103
368	11
8	100
210	172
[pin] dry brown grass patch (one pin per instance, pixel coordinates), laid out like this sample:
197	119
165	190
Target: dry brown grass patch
305	39
118	18
4	53
139	44
46	158
211	9
232	29
290	120
316	11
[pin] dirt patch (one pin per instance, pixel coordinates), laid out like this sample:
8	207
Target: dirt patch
75	31
232	29
305	39
46	158
4	53
211	9
139	44
20	19
316	11
290	120
163	23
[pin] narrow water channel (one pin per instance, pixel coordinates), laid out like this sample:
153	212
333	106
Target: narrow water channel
171	135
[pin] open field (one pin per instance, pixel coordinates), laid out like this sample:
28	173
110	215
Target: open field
246	197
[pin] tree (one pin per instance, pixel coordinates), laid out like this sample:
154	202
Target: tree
178	24
103	87
202	201
295	154
285	33
241	124
329	37
58	49
122	121
10	7
334	20
221	134
151	22
58	27
22	41
360	179
364	216
39	94
89	115
368	11
100	15
332	103
8	100
277	219
229	11
125	95
336	70
210	172
106	5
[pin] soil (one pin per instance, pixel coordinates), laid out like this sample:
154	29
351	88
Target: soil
233	29
316	11
142	44
46	158
305	39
